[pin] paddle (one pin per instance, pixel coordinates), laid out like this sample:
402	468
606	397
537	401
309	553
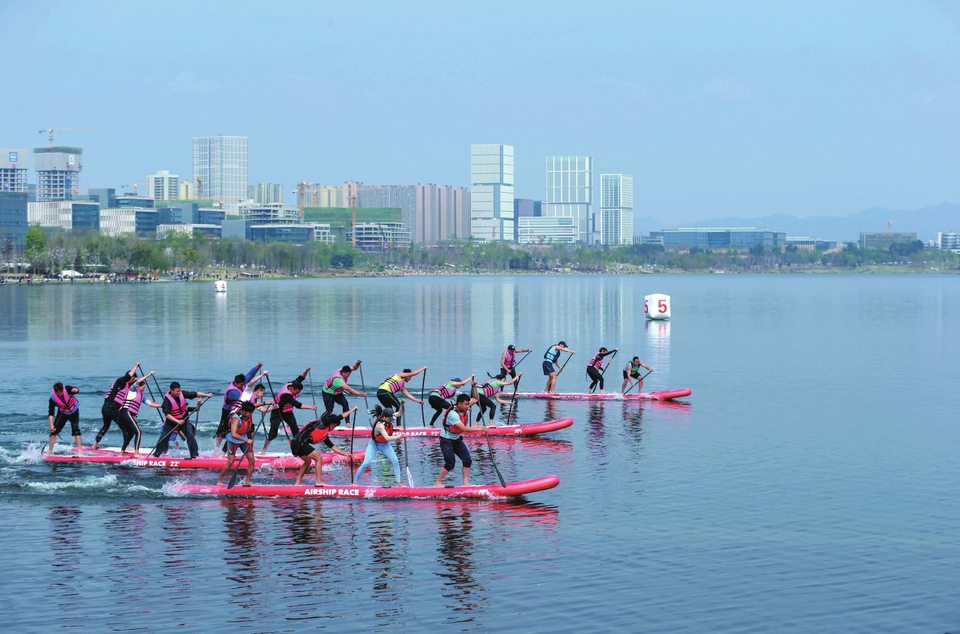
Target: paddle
203	399
423	394
310	376
638	382
406	447
513	405
363	388
353	429
246	454
493	457
283	423
517	364
153	398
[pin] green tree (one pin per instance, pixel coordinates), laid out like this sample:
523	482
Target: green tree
36	247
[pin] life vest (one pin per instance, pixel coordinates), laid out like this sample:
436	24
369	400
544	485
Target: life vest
65	401
445	391
633	370
394	384
491	387
552	358
118	385
178	407
464	419
318	434
121	396
235	409
509	356
132	404
329	383
286	407
246	424
595	362
388	426
228	402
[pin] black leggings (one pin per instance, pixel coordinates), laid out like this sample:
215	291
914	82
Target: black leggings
329	400
389	399
457	447
597	377
131	430
109	410
62	419
440	405
288	417
188	432
224	427
486	403
512	371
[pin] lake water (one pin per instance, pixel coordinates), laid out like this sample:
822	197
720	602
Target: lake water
810	483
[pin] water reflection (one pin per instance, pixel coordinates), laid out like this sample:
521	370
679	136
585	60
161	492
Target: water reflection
242	547
387	572
464	595
657	352
596	436
64	538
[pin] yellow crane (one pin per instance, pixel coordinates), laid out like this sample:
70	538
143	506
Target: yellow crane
50	131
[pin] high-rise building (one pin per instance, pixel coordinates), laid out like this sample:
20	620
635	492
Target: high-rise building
220	169
443	213
616	209
186	190
265	193
106	198
570	192
58	172
14	165
163	186
491	192
13	223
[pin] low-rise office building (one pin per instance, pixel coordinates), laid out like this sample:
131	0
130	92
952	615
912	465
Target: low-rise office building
123	221
65	214
811	244
379	236
165	230
884	240
13	222
546	230
949	240
720	237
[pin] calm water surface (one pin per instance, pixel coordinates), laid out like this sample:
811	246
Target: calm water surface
811	483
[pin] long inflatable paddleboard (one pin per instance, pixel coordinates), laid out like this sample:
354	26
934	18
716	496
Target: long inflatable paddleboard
611	396
485	491
274	461
434	432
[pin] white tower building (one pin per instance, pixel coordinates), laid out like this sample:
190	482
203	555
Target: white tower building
491	192
616	209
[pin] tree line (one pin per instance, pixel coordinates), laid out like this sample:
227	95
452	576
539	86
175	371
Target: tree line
49	252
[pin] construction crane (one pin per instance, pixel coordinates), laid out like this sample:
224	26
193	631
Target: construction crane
199	189
50	131
134	185
351	190
889	225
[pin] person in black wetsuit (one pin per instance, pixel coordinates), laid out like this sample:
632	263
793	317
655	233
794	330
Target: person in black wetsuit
63	402
316	431
176	416
111	408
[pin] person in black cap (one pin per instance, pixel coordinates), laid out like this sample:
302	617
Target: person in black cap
313	432
550	358
508	360
438	397
380	437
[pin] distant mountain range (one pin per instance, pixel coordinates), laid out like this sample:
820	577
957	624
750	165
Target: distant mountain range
926	222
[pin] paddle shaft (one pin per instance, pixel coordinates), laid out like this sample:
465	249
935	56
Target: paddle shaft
517	364
603	370
353	429
150	389
423	397
513	405
283	423
638	381
312	395
363	388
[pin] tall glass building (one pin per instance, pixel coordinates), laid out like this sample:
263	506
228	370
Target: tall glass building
491	192
616	209
570	192
220	169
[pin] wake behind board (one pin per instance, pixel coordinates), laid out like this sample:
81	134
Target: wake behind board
483	492
434	432
275	461
612	396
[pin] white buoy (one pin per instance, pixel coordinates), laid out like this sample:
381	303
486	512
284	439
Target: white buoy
221	286
657	306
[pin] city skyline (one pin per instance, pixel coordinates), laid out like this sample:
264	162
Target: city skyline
731	109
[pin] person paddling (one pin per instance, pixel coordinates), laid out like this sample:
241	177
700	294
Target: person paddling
438	397
240	436
317	431
127	417
63	401
631	371
387	392
508	360
230	396
550	358
493	387
176	419
283	410
451	442
380	437
111	404
336	385
593	368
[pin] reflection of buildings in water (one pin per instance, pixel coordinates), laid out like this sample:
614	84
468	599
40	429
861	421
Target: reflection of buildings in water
657	352
596	435
454	527
494	314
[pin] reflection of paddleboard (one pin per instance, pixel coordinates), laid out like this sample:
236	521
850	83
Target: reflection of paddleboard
506	430
275	461
484	492
647	396
221	286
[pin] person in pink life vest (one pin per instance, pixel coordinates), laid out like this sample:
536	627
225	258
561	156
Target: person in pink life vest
336	385
111	407
63	401
595	365
230	396
132	400
508	360
283	409
176	419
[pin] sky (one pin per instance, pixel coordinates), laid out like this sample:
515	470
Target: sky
716	108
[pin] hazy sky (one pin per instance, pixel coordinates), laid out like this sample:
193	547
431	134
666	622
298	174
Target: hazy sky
716	108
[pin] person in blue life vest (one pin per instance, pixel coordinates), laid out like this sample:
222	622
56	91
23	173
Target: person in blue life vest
230	396
312	433
240	436
550	358
63	402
